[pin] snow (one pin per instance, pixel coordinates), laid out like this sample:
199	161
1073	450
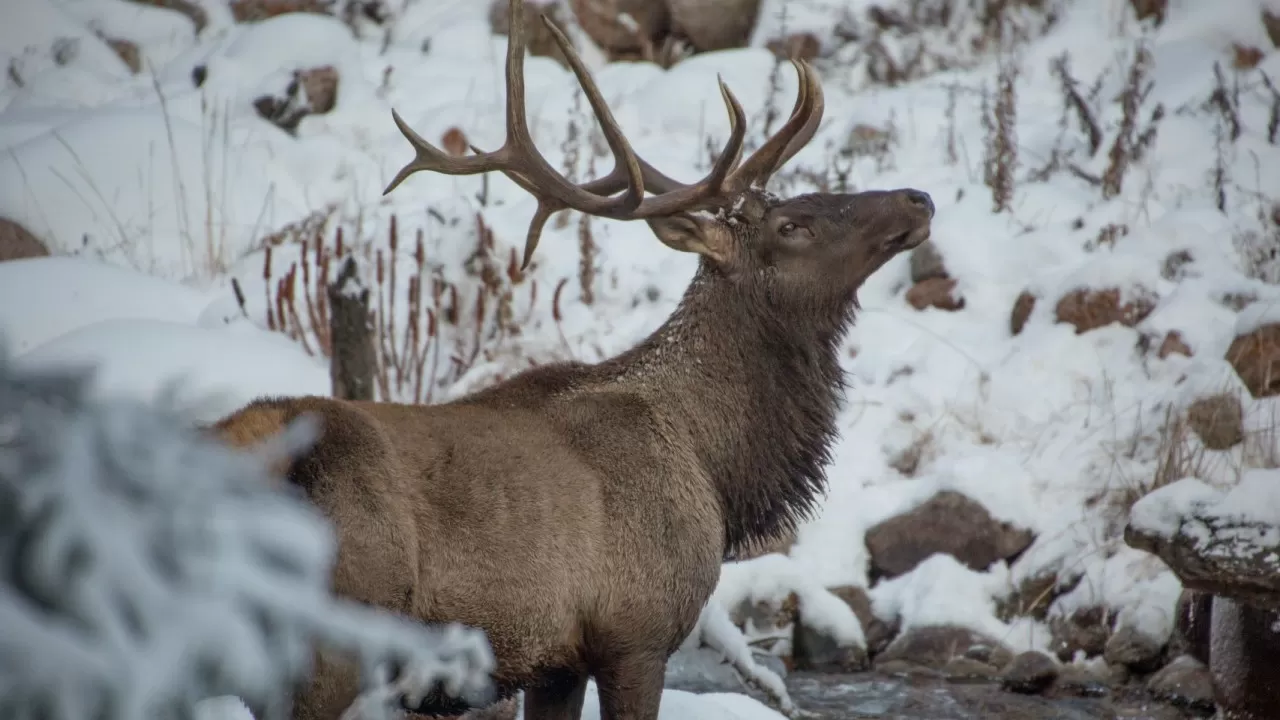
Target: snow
156	194
1255	499
125	589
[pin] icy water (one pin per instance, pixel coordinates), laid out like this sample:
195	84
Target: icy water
879	697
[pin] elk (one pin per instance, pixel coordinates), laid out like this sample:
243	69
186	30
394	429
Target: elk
579	513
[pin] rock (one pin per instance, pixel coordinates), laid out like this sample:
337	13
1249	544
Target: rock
933	646
818	651
1173	344
902	668
16	242
1242	660
766	615
935	292
1256	359
797	46
1031	598
1218	420
1030	673
192	10
1245	57
1175	264
1185	682
1150	9
1091	309
877	632
1085	630
1192	621
312	91
926	263
949	523
320	87
245	11
966	668
1085	682
714	24
601	21
537	37
454	141
128	52
1271	21
1134	649
1022	308
814	650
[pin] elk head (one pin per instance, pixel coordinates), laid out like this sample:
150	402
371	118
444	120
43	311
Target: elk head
812	251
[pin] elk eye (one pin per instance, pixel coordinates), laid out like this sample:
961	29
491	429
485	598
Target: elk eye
787	228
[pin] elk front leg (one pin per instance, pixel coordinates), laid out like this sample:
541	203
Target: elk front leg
631	688
560	700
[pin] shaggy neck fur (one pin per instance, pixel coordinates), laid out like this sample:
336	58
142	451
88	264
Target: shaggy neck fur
756	384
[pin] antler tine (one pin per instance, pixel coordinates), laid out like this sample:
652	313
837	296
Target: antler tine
519	154
804	119
429	157
657	182
675	197
810	128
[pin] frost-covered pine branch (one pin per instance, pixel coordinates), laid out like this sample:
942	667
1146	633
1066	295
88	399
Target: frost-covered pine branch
144	568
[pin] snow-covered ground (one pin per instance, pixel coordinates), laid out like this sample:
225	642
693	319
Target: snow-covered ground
163	191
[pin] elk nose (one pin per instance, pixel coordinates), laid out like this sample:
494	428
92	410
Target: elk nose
919	199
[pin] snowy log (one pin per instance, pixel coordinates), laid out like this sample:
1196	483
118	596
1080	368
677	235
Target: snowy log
144	568
1222	543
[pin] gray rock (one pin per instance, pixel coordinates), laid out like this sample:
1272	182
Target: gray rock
1086	629
816	650
878	633
935	646
1030	673
926	263
949	523
1134	649
1185	682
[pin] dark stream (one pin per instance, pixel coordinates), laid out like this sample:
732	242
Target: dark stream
874	696
855	697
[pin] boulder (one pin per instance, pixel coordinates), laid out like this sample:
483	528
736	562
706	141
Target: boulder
949	523
935	292
1088	309
603	22
1185	683
1084	630
1256	358
934	646
16	242
1134	648
714	24
1022	308
1030	673
1218	420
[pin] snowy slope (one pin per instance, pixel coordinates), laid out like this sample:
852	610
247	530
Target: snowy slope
163	190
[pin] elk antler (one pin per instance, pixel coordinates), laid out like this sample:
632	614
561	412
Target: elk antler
520	160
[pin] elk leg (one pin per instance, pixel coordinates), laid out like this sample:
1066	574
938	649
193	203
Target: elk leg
560	700
631	688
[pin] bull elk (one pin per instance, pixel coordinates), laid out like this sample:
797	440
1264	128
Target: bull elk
579	513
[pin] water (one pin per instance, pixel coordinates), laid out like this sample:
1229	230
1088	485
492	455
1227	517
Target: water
877	697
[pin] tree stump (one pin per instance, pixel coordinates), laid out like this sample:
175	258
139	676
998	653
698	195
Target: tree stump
354	360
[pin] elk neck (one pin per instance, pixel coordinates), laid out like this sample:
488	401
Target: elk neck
754	384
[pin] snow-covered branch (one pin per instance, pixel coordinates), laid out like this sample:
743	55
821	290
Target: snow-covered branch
1224	543
144	568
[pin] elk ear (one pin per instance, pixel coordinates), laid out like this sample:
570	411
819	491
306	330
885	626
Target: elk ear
698	232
